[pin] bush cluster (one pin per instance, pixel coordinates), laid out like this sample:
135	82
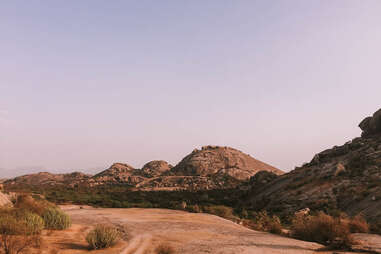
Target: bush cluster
324	229
102	236
56	219
262	221
21	226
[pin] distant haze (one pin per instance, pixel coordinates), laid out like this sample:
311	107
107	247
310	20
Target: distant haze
87	83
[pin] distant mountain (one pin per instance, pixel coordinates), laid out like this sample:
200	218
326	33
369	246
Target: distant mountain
346	178
212	167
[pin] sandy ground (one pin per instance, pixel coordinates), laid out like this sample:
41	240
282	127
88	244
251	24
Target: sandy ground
189	233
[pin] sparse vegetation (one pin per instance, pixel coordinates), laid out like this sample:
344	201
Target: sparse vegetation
17	234
55	218
222	211
262	221
102	236
324	229
358	224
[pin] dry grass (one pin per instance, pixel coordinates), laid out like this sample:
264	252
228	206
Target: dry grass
17	234
358	224
219	210
324	229
27	202
262	221
102	236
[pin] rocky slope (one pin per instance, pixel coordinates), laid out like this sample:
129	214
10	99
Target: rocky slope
346	177
212	167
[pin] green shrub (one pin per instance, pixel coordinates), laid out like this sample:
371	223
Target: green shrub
34	223
55	218
102	236
323	229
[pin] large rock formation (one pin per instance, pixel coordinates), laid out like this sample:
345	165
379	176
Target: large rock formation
156	168
216	160
118	173
371	125
346	178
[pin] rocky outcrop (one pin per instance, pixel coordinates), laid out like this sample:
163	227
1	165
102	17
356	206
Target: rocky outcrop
216	160
346	178
371	125
155	168
118	173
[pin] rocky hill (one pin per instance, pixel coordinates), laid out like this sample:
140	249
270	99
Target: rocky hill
212	167
346	177
216	160
46	178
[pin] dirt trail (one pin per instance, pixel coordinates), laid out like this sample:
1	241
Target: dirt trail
138	245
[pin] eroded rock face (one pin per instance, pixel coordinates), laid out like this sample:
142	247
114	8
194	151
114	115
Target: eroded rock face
216	160
371	125
156	168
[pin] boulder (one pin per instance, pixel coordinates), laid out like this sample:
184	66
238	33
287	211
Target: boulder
371	125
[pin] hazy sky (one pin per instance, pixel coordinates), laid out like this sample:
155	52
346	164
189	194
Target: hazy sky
84	84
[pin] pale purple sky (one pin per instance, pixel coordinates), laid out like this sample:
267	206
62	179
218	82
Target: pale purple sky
84	84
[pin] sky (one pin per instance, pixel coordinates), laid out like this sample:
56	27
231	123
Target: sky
84	84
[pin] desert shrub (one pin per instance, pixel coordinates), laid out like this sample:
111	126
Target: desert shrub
33	222
16	235
164	249
358	224
193	208
323	229
262	221
27	202
55	218
102	236
219	210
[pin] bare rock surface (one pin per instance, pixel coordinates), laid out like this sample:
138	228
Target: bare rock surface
189	233
368	243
